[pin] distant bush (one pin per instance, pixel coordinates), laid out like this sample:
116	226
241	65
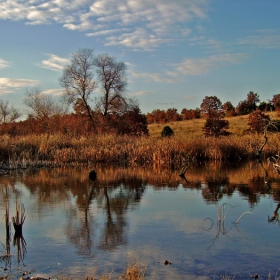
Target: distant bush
167	131
216	127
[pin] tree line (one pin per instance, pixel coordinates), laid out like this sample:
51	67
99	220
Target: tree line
244	107
94	102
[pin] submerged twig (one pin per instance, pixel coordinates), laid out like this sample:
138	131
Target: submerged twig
209	227
242	215
221	219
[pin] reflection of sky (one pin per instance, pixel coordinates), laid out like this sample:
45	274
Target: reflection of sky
166	225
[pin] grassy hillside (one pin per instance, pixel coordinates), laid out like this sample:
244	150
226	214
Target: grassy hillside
237	126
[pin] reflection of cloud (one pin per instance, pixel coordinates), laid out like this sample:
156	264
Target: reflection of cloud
141	24
54	63
178	220
56	234
3	63
7	84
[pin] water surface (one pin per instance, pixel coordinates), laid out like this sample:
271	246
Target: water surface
75	227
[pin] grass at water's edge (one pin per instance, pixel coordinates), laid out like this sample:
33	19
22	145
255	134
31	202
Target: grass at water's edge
137	272
133	272
59	150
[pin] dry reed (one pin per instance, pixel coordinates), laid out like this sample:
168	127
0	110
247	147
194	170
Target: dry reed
187	144
62	150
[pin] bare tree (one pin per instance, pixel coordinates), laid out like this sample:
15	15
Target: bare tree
112	77
78	79
42	106
8	113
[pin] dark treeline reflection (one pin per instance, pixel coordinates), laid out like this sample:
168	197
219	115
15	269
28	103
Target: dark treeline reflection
250	179
118	189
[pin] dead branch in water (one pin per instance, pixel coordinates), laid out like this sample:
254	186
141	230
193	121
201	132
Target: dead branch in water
274	160
19	218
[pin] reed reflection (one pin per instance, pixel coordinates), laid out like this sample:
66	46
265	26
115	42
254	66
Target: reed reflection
18	239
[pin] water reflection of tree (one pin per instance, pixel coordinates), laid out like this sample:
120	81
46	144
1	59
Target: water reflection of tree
216	186
116	202
253	190
259	184
115	191
80	225
120	188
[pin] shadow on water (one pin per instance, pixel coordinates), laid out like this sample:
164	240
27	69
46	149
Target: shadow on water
97	204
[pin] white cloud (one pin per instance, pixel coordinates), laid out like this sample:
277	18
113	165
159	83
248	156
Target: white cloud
4	63
191	97
209	44
264	38
156	77
191	66
54	91
141	93
7	85
139	39
199	66
105	32
141	24
54	63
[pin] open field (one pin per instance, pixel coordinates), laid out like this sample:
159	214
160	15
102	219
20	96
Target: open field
237	126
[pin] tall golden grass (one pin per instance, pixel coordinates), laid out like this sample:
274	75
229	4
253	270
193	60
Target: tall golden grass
187	144
60	150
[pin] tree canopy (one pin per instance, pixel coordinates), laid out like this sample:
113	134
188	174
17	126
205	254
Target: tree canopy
215	125
211	106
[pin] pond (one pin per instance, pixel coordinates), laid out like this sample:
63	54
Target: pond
213	222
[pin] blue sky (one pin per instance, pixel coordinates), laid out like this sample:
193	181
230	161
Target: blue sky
177	51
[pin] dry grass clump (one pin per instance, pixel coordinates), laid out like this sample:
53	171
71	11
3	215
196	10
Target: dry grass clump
133	272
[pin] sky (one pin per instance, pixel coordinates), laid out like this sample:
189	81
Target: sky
176	51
